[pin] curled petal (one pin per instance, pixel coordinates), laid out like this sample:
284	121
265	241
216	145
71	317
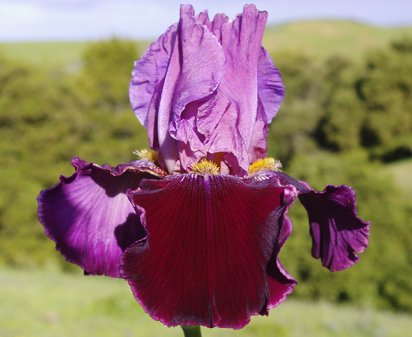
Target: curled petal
89	216
210	257
338	233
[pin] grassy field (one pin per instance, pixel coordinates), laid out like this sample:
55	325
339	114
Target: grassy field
48	304
316	38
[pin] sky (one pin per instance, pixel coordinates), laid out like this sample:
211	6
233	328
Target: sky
42	20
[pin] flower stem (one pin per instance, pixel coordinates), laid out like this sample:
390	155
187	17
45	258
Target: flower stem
191	331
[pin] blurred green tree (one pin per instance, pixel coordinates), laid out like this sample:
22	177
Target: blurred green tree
106	72
292	130
339	129
385	90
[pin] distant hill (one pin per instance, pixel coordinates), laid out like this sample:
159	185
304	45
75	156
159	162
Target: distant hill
57	53
319	38
323	38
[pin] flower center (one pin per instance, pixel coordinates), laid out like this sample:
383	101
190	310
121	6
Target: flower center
146	154
205	167
265	164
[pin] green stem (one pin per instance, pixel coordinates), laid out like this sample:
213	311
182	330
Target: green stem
191	331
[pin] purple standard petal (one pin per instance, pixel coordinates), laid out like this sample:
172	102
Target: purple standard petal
185	65
338	233
151	91
271	92
258	143
227	119
270	85
210	257
89	216
147	82
208	90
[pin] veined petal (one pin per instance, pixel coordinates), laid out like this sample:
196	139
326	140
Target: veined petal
227	120
89	216
184	65
338	233
281	283
210	257
201	71
202	62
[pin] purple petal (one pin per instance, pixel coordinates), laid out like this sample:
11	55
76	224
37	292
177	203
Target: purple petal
258	142
202	62
216	25
227	119
338	233
185	65
202	69
270	85
148	79
89	216
198	89
203	18
211	253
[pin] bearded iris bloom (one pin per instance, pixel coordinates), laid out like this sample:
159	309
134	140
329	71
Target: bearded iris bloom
196	226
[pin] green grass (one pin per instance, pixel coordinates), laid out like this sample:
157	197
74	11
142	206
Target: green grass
48	304
319	39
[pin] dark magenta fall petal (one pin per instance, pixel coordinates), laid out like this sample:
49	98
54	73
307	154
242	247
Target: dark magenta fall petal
338	233
281	283
210	257
89	215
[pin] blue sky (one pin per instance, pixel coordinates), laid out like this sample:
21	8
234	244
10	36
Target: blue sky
24	20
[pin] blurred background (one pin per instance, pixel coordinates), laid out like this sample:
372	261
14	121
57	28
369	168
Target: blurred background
347	119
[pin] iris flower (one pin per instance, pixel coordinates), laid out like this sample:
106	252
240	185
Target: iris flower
196	225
